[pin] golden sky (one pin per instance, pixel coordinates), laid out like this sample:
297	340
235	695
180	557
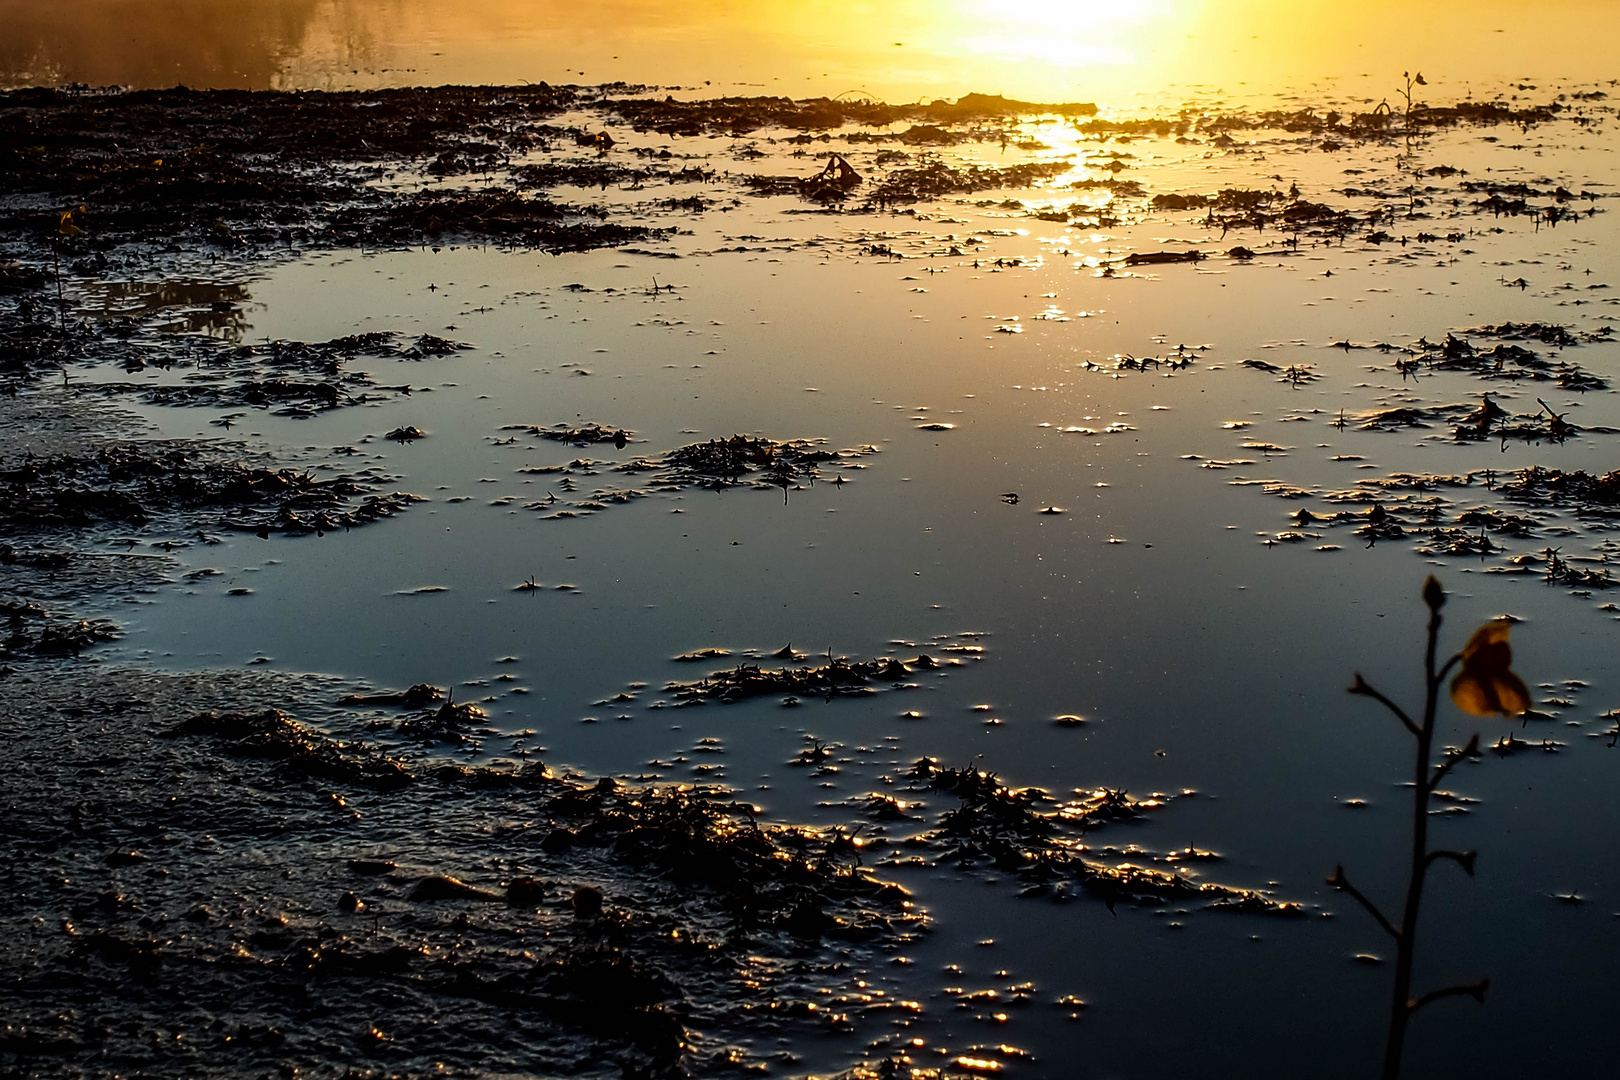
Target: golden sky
897	49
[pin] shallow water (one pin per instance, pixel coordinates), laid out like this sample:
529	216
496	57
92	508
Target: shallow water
1203	660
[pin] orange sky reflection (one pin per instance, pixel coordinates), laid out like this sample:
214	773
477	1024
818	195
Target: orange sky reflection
1055	50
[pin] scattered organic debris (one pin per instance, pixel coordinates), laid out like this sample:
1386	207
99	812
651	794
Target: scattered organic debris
1506	360
1479	514
1587	494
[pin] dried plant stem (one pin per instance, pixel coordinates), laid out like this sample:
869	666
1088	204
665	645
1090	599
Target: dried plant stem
1400	1011
1425	779
61	305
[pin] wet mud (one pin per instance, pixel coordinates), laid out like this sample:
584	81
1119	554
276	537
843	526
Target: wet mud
235	889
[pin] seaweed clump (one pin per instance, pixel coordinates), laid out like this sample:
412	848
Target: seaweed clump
1586	492
494	214
716	464
449	723
136	483
723	462
839	677
935	178
1248	208
583	435
299	749
1506	359
1025	832
32	631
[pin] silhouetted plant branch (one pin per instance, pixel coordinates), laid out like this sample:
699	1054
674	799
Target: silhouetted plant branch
1407	132
1485	686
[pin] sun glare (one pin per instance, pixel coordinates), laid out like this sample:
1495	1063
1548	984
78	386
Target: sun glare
1066	35
1063	15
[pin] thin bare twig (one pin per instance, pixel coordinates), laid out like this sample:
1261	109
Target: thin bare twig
1365	689
1474	990
1464	859
1452	759
1339	881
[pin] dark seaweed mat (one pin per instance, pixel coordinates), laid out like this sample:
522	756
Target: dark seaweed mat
233	891
936	178
741	115
254	172
839	677
139	483
232	169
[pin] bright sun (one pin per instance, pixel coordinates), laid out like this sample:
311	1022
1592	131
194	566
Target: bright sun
1060	15
1060	33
